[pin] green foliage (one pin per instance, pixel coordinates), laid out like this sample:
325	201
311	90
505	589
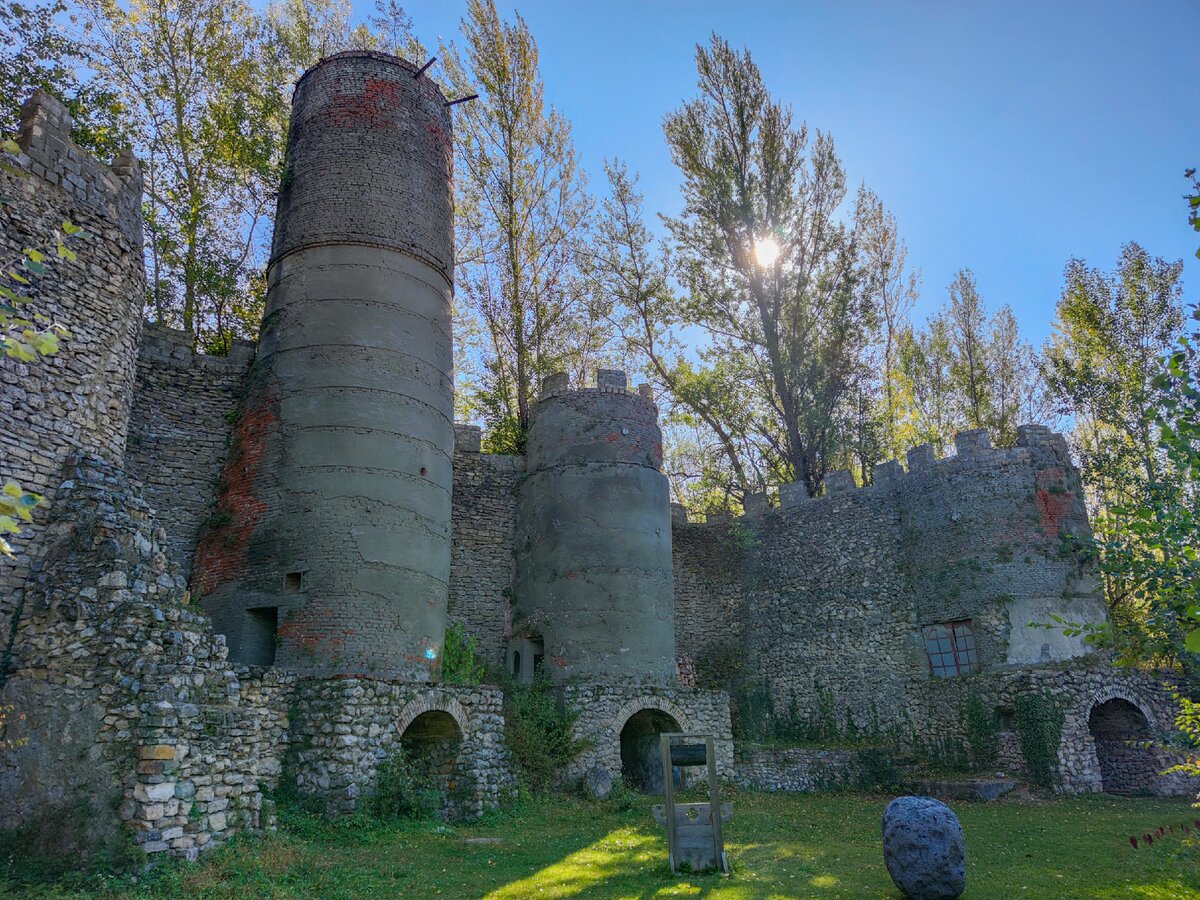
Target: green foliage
521	300
1149	547
538	732
877	769
37	50
740	538
26	335
459	662
203	85
400	791
967	368
983	732
1039	720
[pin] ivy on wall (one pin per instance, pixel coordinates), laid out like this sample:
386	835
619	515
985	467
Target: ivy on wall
1039	720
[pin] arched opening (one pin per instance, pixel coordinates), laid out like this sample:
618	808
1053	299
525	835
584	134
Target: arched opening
1117	727
641	763
431	743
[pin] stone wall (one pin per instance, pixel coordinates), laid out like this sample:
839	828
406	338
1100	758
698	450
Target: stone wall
180	429
78	399
829	596
606	707
1075	688
342	728
711	565
799	770
483	525
828	611
135	724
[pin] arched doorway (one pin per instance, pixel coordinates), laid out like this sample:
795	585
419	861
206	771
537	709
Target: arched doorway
641	764
1117	727
431	743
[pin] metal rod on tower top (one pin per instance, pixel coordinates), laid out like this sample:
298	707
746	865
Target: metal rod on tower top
462	100
421	71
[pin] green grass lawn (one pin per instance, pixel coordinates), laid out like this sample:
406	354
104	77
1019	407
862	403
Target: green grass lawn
779	846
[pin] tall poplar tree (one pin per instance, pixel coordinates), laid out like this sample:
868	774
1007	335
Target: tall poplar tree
772	267
521	207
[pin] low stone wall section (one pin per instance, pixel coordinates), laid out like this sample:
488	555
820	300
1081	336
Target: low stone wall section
800	770
1075	689
343	728
134	724
605	707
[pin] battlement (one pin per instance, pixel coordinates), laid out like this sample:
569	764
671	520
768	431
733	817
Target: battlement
608	381
112	192
171	348
605	423
973	448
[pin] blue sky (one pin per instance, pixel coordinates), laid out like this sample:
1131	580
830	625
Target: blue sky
1005	136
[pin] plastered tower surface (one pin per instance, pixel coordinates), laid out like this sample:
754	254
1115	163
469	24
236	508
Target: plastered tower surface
593	554
333	525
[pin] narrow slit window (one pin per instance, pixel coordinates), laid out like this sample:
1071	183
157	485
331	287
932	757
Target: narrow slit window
260	636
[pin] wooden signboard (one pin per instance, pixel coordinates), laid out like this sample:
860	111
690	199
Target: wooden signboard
694	835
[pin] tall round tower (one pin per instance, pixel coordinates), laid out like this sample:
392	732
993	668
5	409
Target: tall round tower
329	550
593	562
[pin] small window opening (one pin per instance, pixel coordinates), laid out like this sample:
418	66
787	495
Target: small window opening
539	656
951	648
259	637
293	582
517	663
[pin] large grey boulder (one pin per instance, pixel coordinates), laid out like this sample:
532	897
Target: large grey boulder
923	848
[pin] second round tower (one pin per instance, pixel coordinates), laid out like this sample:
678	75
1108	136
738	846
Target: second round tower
593	558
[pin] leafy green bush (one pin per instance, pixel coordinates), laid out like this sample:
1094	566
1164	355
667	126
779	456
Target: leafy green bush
983	733
401	792
877	769
538	732
459	662
1039	721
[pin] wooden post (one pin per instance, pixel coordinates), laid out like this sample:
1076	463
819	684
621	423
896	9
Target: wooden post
699	821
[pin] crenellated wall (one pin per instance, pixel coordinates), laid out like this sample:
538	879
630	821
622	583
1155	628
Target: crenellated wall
483	524
79	399
831	594
180	430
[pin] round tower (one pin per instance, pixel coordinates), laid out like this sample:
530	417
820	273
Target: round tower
329	550
593	561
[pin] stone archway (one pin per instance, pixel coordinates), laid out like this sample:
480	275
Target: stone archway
641	764
432	743
1117	727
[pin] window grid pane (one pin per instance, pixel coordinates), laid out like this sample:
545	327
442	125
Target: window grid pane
950	647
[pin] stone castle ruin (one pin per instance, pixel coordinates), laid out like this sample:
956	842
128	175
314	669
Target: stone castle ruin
248	563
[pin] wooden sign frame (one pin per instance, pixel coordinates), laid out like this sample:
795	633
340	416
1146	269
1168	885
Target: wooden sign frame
714	810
